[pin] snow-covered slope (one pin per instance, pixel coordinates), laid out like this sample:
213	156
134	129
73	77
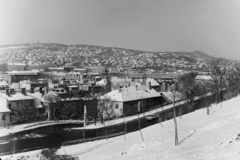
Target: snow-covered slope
212	137
202	136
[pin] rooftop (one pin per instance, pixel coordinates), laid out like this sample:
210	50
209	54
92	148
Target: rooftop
16	97
23	72
3	106
131	94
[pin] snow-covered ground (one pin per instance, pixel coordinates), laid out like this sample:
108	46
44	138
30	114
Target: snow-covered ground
28	126
215	136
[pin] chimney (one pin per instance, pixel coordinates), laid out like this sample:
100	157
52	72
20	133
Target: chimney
159	87
136	87
129	84
40	89
7	92
24	91
149	84
12	91
120	88
176	86
42	92
32	90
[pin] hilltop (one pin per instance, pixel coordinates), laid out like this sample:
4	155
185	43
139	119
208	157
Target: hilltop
50	54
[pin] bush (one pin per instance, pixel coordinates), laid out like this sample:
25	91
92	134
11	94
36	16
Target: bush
50	154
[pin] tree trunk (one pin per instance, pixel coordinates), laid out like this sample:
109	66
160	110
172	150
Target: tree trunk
49	113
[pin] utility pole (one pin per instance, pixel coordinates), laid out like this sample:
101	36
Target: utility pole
174	116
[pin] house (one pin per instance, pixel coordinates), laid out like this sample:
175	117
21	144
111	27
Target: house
125	101
150	81
4	113
204	78
169	96
38	98
3	85
17	76
16	102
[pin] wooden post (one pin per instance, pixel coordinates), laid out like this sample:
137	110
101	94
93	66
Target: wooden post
14	145
175	120
139	122
125	127
159	119
84	123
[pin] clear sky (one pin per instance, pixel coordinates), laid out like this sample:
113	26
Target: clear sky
212	26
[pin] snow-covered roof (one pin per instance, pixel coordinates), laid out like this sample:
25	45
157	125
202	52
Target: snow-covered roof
102	82
38	99
36	95
131	94
117	79
23	72
153	82
203	77
3	106
17	97
3	83
169	96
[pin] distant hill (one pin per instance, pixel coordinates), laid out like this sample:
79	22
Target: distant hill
52	54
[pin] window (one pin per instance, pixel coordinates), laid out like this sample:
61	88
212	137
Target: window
116	106
4	117
10	106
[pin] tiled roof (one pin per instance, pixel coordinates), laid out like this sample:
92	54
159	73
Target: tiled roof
131	94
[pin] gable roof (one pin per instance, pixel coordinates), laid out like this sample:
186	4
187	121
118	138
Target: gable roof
131	94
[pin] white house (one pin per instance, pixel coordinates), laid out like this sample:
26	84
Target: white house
126	100
4	113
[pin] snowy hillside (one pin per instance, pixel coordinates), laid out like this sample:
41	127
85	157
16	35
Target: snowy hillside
202	136
215	136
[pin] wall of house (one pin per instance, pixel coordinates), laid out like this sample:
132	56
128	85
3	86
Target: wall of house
131	107
117	109
17	105
74	109
4	121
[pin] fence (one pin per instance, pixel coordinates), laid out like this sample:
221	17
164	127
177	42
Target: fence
133	125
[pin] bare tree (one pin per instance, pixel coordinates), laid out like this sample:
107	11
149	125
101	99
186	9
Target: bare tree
190	87
105	108
218	73
50	99
233	78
